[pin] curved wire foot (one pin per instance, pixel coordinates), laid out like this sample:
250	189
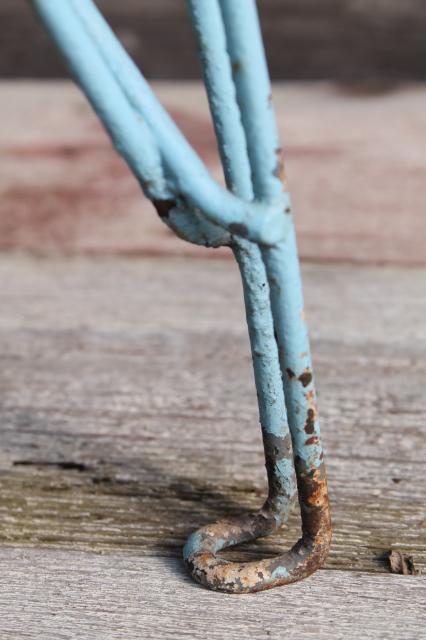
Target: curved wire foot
305	557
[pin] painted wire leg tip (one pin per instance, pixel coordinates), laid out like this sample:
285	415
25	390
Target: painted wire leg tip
307	555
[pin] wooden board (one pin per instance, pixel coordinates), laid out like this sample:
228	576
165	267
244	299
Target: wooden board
120	596
129	416
356	166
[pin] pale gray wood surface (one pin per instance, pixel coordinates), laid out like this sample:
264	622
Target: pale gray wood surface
64	595
128	418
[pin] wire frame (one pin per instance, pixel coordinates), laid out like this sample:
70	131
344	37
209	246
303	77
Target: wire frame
253	217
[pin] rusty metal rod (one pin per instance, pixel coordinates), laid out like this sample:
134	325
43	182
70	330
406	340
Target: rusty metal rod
247	137
253	217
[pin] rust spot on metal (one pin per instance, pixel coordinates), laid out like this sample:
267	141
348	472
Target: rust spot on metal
316	497
146	185
279	171
310	398
276	447
306	377
236	67
310	422
164	207
316	523
313	440
290	373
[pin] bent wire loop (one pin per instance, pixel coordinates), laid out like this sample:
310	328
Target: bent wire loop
253	217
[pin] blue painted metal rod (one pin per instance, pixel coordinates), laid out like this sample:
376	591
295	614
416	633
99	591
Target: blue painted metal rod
199	210
201	549
251	78
130	135
191	178
202	546
282	267
211	38
282	264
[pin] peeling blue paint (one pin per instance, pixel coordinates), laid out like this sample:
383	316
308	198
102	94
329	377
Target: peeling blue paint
253	217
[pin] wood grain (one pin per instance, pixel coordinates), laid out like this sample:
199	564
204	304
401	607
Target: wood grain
93	596
128	413
355	162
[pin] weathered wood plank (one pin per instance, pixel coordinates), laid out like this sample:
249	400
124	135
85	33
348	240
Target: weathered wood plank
356	166
128	413
80	595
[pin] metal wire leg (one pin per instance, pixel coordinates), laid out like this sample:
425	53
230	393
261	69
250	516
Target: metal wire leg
253	216
308	554
238	89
